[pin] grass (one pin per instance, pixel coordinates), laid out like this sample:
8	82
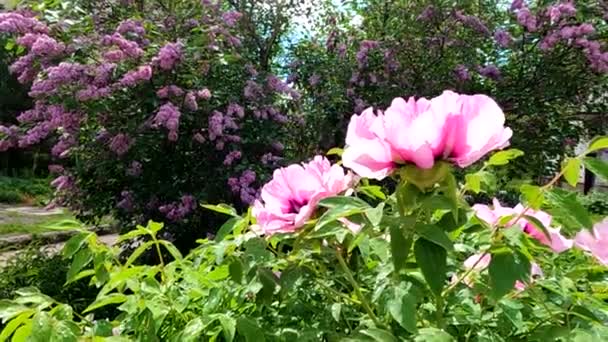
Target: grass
24	190
17	223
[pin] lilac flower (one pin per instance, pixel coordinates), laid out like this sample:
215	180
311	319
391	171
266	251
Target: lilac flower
134	169
92	93
526	19
126	202
277	146
230	18
131	27
177	211
114	56
24	68
233	182
203	94
168	91
427	14
190	101
35	134
489	71
359	105
120	144
216	125
342	50
103	74
503	38
517	4
472	22
252	90
16	23
270	159
276	84
134	77
462	73
56	169
364	49
562	10
235	108
129	48
231	157
168	116
169	55
62	147
251	70
28	39
199	138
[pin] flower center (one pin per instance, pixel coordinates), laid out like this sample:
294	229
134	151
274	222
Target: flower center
295	206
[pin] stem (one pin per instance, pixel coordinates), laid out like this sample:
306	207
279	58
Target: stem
439	311
357	289
160	255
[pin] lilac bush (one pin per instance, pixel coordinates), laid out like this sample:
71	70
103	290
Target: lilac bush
147	116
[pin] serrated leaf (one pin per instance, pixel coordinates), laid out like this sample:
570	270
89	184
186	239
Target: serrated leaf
569	203
112	298
503	157
505	268
221	208
571	170
598	143
432	260
597	166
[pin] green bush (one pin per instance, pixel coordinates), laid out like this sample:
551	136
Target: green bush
18	190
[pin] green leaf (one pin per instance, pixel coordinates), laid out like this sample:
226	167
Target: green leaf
8	309
533	195
228	327
435	234
75	243
140	231
433	335
219	273
402	308
432	260
569	203
112	298
597	166
221	208
337	151
373	191
400	247
571	169
139	251
379	335
63	225
175	253
503	157
155	227
473	182
598	143
15	323
347	202
249	329
193	329
82	258
336	310
341	207
228	227
236	270
23	333
269	283
505	268
374	215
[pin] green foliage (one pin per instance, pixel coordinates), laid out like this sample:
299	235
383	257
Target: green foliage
327	282
24	190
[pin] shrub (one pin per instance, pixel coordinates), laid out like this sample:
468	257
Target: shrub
153	108
314	260
523	55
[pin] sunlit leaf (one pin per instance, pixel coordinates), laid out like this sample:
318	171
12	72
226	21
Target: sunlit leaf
503	157
571	170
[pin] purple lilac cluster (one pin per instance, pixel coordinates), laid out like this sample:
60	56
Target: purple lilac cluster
62	183
17	23
472	22
578	35
503	38
314	80
134	169
235	108
169	56
120	144
169	91
168	116
135	77
65	73
230	18
177	211
131	28
243	186
219	124
561	11
364	48
8	137
129	48
490	71
190	101
526	19
267	112
462	73
231	157
270	159
279	86
127	201
62	148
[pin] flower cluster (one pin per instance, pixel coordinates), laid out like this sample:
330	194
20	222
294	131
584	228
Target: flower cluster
177	211
243	186
168	116
169	55
453	127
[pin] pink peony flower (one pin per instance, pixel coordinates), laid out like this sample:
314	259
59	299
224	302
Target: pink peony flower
558	243
458	128
595	242
291	197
